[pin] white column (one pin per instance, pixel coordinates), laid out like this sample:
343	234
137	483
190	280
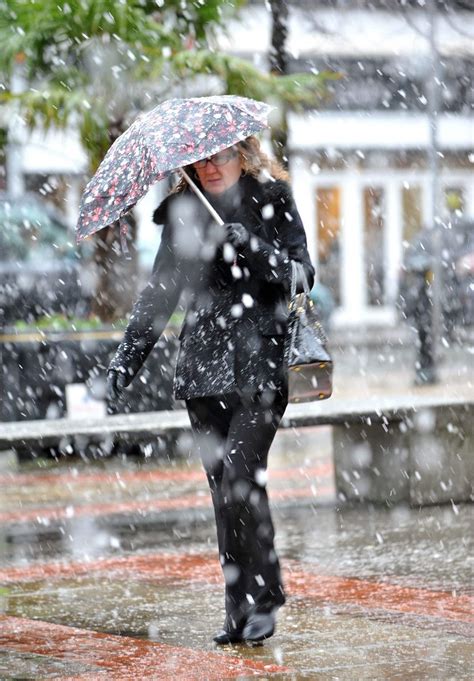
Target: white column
425	200
303	185
353	284
393	235
149	234
16	136
72	201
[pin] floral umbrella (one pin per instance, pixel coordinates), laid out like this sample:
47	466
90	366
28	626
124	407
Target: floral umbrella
174	134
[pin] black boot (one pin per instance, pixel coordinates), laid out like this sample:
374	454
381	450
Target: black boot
261	620
224	637
231	631
260	626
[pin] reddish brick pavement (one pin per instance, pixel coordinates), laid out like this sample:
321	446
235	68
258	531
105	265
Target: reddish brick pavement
64	494
122	657
81	479
72	495
301	582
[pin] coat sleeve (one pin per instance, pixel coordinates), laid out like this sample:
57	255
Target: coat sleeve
271	261
151	311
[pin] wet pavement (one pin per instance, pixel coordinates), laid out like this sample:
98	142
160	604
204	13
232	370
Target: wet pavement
109	569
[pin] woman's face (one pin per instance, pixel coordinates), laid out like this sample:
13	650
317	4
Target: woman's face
219	172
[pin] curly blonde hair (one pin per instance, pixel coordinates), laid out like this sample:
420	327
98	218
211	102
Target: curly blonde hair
253	160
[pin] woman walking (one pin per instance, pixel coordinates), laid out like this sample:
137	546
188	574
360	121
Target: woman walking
235	283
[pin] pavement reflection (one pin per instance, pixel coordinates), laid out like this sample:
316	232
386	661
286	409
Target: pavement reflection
109	570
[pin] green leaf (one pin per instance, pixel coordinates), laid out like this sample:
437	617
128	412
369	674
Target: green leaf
240	77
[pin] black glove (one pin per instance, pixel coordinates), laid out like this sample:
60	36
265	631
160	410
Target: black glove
237	234
116	383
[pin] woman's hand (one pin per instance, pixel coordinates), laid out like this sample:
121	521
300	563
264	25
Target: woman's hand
237	234
116	383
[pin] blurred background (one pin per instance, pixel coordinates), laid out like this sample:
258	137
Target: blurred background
374	119
373	116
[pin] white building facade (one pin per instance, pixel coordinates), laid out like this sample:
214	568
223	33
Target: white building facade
360	164
368	204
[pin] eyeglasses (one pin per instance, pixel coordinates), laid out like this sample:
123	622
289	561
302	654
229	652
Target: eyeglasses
219	159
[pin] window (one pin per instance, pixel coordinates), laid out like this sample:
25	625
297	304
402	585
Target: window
328	217
412	213
454	200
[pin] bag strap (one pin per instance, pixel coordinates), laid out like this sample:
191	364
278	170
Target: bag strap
294	277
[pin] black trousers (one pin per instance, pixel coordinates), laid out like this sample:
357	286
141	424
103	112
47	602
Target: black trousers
233	434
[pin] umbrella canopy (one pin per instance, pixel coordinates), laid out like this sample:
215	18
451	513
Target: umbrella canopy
174	134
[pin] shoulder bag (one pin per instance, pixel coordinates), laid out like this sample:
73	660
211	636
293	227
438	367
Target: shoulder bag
310	366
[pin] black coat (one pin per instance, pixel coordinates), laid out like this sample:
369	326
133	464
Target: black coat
235	323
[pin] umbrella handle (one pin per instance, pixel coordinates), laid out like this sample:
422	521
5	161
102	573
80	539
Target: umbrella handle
201	197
